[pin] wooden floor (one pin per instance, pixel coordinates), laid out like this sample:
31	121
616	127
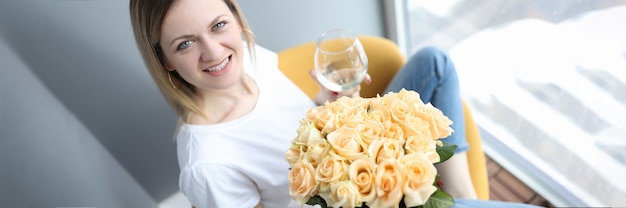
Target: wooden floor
503	186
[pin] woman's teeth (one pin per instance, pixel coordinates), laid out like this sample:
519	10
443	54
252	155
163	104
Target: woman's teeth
219	67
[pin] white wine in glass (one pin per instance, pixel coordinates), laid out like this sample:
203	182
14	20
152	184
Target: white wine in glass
340	61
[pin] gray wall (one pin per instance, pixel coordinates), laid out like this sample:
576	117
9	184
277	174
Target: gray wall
84	53
47	157
279	24
81	121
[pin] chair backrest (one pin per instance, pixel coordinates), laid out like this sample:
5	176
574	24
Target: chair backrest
385	59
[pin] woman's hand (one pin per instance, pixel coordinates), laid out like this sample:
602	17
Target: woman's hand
326	95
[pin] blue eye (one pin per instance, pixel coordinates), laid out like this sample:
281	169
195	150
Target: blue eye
184	45
219	25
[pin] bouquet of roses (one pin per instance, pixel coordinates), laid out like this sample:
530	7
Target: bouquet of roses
370	152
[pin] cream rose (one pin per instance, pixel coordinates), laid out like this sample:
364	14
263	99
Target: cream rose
420	176
410	97
385	149
319	116
331	169
439	123
414	126
369	131
337	107
317	149
400	110
312	114
380	115
294	153
389	183
422	144
351	106
306	133
343	194
302	185
345	142
343	121
302	126
392	130
388	98
361	174
352	121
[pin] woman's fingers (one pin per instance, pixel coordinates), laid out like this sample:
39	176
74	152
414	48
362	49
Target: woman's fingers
329	95
367	79
313	75
322	88
354	92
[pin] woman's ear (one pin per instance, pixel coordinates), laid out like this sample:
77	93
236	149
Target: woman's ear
167	66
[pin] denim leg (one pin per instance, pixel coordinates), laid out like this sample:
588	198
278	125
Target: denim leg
470	203
431	73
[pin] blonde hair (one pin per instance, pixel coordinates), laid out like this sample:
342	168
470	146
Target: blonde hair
147	18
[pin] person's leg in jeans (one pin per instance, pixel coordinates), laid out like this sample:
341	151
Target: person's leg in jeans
431	73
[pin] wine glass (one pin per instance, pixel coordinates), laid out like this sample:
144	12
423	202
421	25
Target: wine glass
340	61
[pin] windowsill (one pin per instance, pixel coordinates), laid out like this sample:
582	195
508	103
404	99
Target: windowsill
540	181
548	99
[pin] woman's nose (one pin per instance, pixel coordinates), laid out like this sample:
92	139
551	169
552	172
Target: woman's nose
211	49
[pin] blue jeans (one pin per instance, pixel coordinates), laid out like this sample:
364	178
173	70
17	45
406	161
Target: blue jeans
469	203
431	73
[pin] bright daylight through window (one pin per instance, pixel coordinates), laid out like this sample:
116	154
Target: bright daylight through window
546	81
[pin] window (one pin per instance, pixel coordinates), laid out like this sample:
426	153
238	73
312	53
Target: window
546	81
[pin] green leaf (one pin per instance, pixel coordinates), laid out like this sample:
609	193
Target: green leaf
317	199
445	151
439	199
402	204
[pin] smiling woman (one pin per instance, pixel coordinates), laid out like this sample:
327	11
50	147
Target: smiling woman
195	54
181	53
205	51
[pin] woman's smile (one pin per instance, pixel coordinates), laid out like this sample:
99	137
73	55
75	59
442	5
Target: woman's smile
220	68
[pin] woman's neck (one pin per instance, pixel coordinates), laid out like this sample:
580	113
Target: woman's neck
228	104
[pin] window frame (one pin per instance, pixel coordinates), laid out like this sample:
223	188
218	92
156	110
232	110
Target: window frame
557	192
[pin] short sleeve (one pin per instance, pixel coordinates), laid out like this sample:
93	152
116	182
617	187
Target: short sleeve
210	185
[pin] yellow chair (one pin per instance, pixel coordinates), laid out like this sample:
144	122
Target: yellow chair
385	59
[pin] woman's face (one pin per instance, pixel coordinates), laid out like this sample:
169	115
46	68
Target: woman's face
201	40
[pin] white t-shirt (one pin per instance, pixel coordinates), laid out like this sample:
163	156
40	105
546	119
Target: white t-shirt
242	162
